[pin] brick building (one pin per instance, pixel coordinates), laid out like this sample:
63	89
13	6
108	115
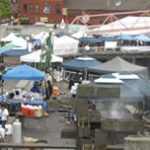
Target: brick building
52	11
41	10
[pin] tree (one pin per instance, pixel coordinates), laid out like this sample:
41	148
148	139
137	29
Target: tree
47	49
5	8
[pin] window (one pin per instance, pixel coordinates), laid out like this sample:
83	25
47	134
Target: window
58	9
47	8
30	8
25	8
37	8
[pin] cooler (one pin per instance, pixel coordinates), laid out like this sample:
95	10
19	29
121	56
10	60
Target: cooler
27	112
55	91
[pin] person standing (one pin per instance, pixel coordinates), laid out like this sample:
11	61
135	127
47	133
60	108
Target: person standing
4	113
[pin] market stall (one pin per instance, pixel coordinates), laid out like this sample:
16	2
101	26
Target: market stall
25	72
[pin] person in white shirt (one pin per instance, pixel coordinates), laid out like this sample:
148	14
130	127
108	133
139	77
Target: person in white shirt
3	114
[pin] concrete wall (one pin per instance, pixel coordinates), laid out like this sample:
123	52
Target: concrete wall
23	30
137	143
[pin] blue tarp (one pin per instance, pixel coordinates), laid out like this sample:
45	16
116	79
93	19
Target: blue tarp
79	64
24	72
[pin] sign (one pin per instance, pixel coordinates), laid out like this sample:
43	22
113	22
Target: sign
65	11
44	19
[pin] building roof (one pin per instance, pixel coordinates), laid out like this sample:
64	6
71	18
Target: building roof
107	4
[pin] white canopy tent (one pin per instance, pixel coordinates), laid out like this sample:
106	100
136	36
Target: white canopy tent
34	57
65	45
9	38
19	41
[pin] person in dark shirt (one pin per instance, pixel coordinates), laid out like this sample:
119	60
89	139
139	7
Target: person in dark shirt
35	88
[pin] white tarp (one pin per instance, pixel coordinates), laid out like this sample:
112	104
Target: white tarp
127	25
35	57
65	45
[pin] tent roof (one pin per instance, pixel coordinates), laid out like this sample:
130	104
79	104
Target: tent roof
15	52
126	23
24	72
7	48
80	63
19	41
117	65
65	39
124	37
89	40
142	38
108	80
35	57
125	76
10	37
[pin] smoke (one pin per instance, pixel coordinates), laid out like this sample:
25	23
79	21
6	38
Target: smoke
117	111
114	110
132	92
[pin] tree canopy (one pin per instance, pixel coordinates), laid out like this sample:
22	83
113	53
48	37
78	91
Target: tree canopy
4	8
46	57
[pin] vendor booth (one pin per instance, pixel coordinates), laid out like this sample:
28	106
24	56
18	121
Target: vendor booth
24	72
65	45
35	57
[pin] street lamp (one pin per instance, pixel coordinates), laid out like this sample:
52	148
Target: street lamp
86	49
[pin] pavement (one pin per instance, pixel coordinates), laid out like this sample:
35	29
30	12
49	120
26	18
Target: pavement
49	128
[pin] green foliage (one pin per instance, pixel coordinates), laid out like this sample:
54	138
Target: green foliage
46	57
5	8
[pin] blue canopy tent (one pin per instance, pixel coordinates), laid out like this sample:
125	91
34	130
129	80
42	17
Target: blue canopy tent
15	52
6	48
80	63
141	37
24	72
124	37
106	38
89	40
